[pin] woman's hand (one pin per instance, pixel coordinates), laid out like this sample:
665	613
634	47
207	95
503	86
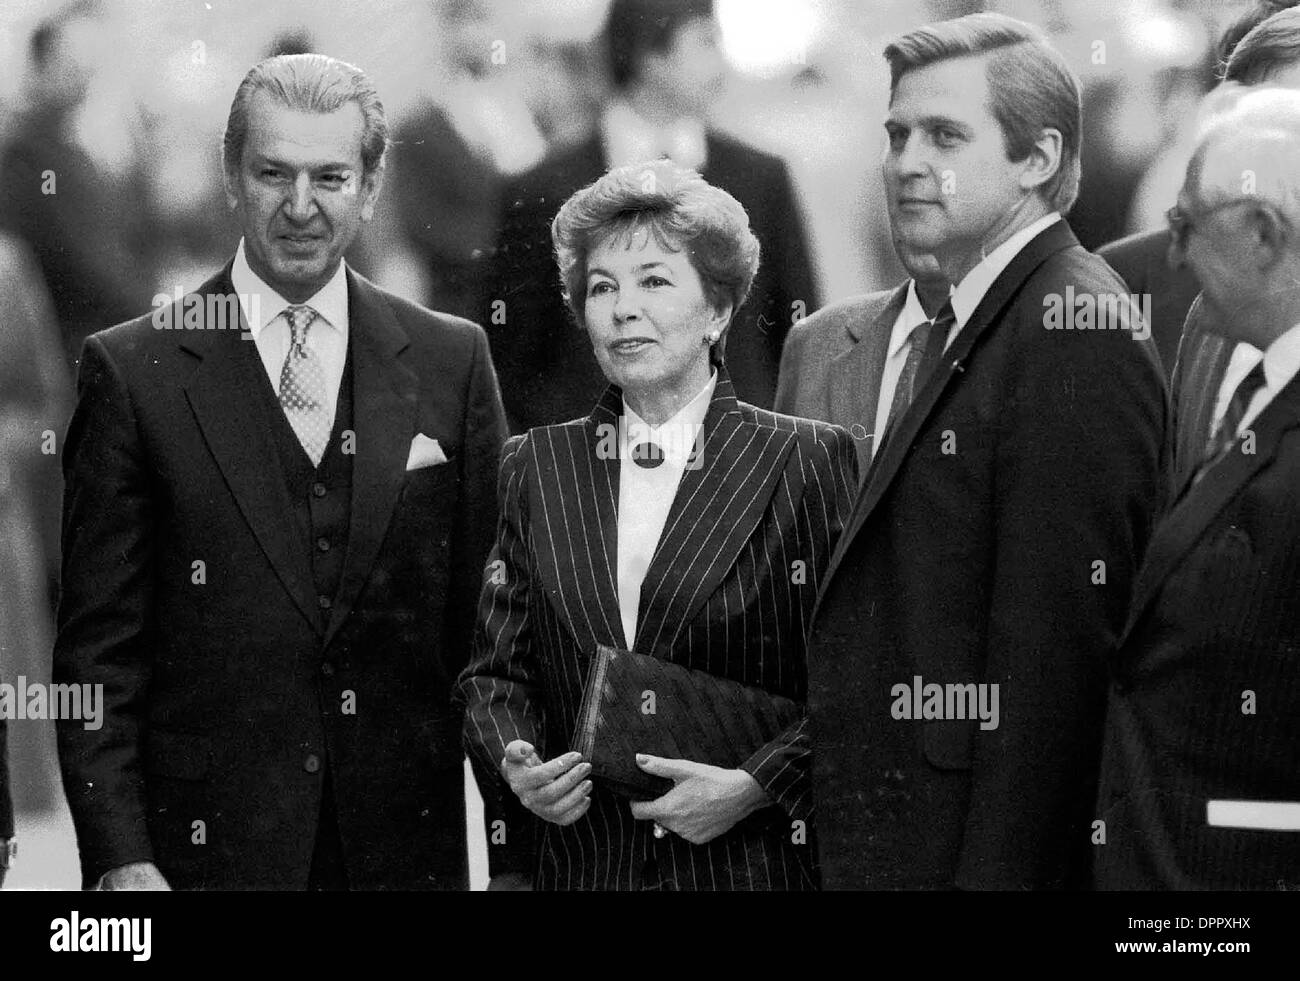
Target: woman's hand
707	800
556	790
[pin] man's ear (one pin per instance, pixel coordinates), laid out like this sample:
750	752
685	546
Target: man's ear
371	184
229	183
1044	159
1268	234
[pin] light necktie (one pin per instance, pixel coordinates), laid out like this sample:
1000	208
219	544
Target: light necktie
927	344
302	386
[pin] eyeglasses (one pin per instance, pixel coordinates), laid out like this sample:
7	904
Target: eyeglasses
1181	222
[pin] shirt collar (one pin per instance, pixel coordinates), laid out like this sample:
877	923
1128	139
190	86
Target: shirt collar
966	296
1282	360
330	302
630	138
912	316
677	435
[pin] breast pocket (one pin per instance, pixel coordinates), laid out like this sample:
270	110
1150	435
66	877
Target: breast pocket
431	484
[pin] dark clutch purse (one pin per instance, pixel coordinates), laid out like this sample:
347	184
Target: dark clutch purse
634	703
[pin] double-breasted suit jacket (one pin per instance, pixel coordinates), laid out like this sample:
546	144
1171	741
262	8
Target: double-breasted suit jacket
729	591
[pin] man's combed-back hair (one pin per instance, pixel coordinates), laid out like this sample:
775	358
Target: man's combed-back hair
1031	88
309	83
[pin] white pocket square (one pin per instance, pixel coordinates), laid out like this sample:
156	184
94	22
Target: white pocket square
425	452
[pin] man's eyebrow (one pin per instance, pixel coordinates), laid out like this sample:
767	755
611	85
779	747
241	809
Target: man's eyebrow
262	159
931	123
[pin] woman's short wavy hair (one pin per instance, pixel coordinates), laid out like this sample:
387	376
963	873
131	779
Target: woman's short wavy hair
680	209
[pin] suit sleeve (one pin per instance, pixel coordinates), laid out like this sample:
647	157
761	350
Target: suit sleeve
485	432
105	616
783	768
1077	486
501	685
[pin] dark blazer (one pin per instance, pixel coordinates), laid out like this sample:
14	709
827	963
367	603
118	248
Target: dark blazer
545	363
1028	457
220	696
729	591
833	362
1213	627
1141	262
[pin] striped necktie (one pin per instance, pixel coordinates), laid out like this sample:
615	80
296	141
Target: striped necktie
302	386
927	344
1225	434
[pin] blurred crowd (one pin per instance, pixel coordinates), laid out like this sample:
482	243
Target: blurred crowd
111	114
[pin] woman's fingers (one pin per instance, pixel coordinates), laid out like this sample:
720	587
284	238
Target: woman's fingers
549	794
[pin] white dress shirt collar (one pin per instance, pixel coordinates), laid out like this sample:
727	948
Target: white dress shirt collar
676	436
967	294
629	138
330	302
1281	364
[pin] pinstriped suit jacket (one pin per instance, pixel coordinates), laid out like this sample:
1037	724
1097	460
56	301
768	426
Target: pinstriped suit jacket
723	594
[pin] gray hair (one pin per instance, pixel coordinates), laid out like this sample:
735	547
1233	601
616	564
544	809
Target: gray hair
309	83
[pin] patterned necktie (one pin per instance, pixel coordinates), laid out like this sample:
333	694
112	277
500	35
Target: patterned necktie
1225	436
302	386
928	341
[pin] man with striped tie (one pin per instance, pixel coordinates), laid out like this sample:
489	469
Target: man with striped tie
275	524
991	550
1199	783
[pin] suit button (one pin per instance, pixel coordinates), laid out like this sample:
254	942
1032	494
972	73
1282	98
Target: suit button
312	763
323	602
327	669
318	489
323	544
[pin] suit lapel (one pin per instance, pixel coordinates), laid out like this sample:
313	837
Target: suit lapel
221	391
854	376
575	524
713	515
384	418
1193	514
889	458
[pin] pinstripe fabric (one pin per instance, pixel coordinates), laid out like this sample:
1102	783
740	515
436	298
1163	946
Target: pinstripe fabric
723	594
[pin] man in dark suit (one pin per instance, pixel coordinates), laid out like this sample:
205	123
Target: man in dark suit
667	70
1199	784
835	362
990	553
274	529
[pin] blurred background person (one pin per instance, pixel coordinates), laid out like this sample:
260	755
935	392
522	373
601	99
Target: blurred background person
666	71
1142	259
35	402
484	116
73	187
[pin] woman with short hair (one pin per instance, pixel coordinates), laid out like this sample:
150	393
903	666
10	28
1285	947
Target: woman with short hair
673	521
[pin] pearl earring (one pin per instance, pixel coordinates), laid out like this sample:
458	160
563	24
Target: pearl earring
711	337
